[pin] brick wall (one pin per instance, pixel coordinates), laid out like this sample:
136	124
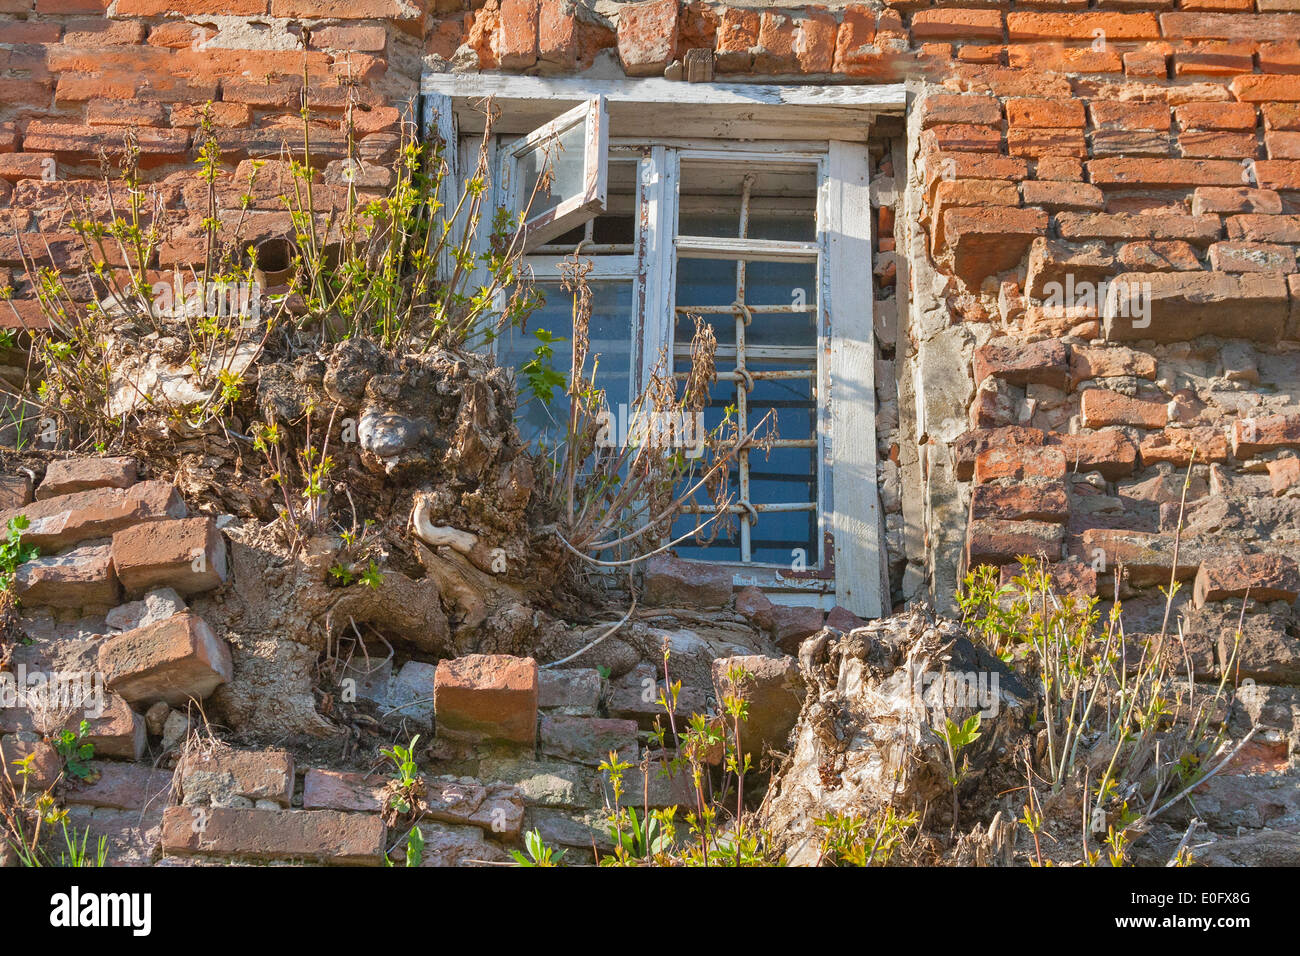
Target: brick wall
1046	142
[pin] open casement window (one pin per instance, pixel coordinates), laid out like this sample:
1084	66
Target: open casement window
556	176
744	209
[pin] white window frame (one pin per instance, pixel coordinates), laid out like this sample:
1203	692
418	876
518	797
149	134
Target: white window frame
774	124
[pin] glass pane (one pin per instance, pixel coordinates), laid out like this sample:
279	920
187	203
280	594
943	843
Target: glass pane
712	282
611	350
783	475
782	199
616	226
562	159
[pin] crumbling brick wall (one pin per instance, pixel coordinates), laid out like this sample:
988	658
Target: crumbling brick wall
1046	142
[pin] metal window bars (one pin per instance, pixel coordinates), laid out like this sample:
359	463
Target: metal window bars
743	250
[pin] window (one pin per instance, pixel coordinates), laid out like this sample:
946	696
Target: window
766	241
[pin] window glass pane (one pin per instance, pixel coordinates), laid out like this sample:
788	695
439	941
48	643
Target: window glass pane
611	347
616	226
782	203
564	157
712	282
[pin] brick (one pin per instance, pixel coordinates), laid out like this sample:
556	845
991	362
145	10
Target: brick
1101	407
1172	256
814	44
1283	474
44	769
737	36
945	23
971	109
516	37
984	241
1089	362
1111	114
174	659
1282	145
360	38
82	577
110	112
252	774
955	165
1240	199
1184	305
71	475
1218	116
1046	142
1164	172
1021	501
1055	269
1023	25
996	542
966	138
87	140
187	554
29	31
1252	257
1198	230
1229	26
775	52
1079	197
1250	436
774	690
1262	577
100	32
1266	88
122	786
16	166
1019	463
1115	142
1110	453
319	836
114	731
1264	228
1147	557
1279	57
674	582
587	740
1038	363
1146	63
1278	173
1177	446
346	9
647	36
496	807
969	446
69	519
793	624
15	491
1214	145
575	692
487	697
1215	59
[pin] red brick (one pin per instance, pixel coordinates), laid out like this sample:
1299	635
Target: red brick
82	577
1250	436
1088	362
1146	63
1059	168
16	166
557	34
71	7
1117	142
1101	407
972	109
1021	501
1184	305
1175	256
88	140
174	659
155	8
1282	145
59	522
1018	463
361	38
949	166
1082	26
487	697
647	36
1110	453
814	44
775	52
44	770
944	23
997	542
187	554
737	36
1147	557
253	774
1239	199
1264	228
1037	363
966	138
1110	226
1177	446
587	739
1262	577
968	447
100	32
320	836
1227	116
1257	89
222	115
1229	26
1215	59
122	786
70	475
29	31
1278	173
1109	114
984	241
1281	115
1279	57
346	9
1218	145
1139	173
517	35
1283	473
1054	195
1046	142
497	807
1252	257
109	112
